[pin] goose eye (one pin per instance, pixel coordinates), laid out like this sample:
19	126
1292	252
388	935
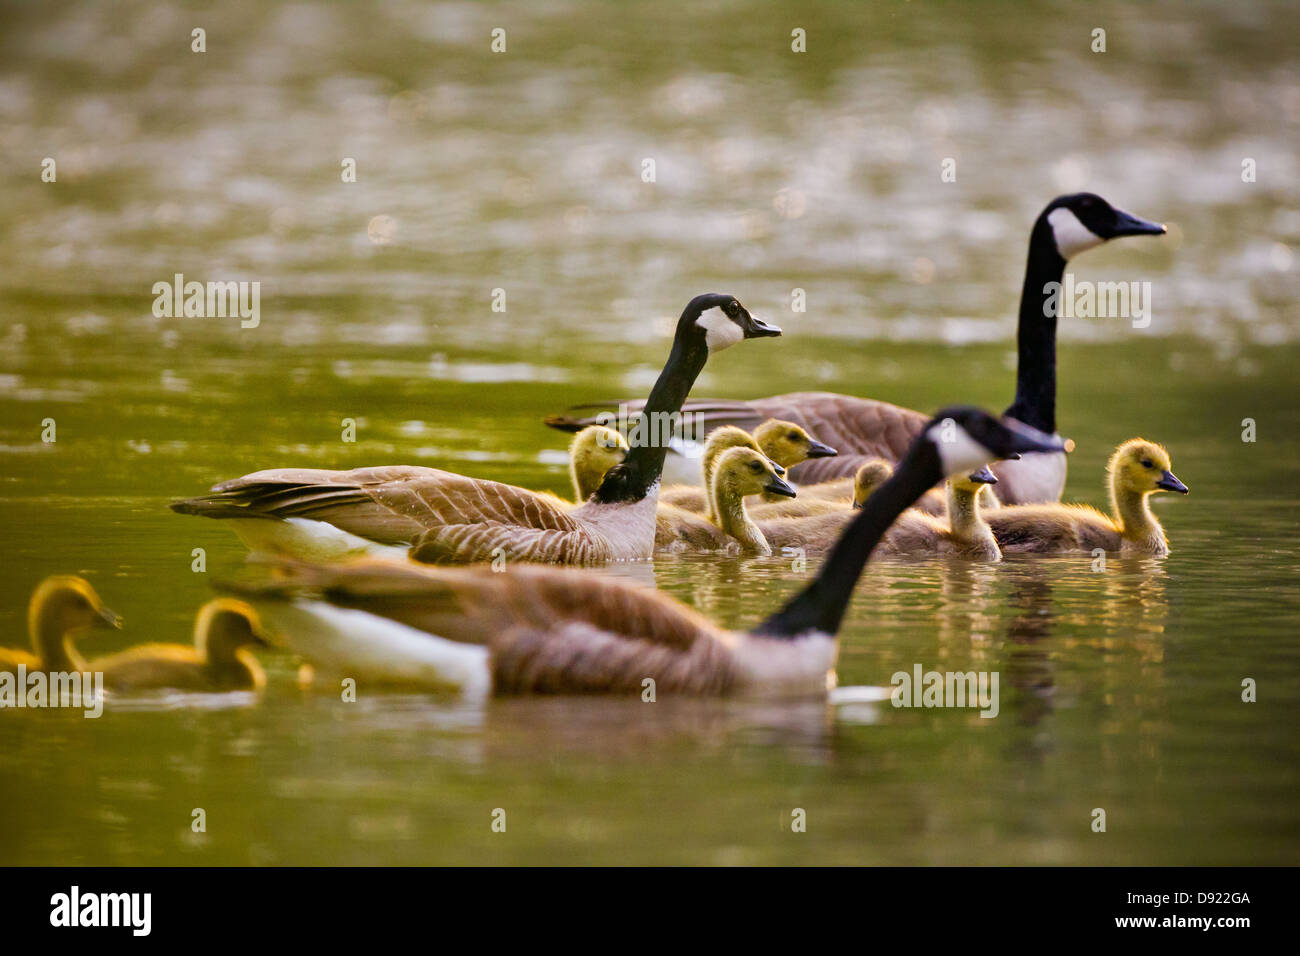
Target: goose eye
1146	463
755	467
793	436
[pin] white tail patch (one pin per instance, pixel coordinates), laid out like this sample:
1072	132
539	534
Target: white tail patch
375	650
720	332
1072	236
309	540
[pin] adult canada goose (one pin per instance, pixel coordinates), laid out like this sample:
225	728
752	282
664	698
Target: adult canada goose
553	630
62	608
592	453
862	427
445	517
964	532
218	660
1136	470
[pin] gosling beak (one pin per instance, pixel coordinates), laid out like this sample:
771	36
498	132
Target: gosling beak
757	328
984	476
109	619
1127	224
1169	483
779	486
1019	437
817	450
1014	456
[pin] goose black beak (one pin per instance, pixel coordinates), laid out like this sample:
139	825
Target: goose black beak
1021	438
984	476
1169	483
779	469
817	450
779	486
1127	224
757	328
109	619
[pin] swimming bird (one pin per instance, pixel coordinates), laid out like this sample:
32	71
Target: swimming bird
1137	469
592	453
62	608
861	427
738	473
963	531
217	661
827	497
443	517
530	629
785	443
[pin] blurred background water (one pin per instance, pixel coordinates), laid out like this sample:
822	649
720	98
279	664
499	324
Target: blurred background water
774	171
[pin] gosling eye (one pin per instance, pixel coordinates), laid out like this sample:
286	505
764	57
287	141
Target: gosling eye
756	467
793	436
1146	463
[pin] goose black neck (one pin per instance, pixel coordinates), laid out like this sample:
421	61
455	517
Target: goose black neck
644	464
820	606
1035	402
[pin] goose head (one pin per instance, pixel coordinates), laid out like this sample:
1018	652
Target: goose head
716	322
787	444
730	436
64	603
743	471
224	625
593	452
976	480
870	476
961	439
1142	467
1080	221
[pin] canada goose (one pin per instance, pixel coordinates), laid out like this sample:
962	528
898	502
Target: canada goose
554	630
533	629
964	532
61	608
1136	470
217	661
592	453
831	496
862	427
785	443
445	517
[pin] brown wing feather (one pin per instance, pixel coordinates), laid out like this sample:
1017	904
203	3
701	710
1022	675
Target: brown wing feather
391	505
474	604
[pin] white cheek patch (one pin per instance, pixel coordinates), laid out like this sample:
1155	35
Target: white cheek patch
958	452
719	331
1072	236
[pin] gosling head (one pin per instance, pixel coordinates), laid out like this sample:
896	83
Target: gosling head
731	436
870	476
71	604
976	480
1077	222
225	624
744	471
716	322
961	439
788	444
594	451
1142	467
